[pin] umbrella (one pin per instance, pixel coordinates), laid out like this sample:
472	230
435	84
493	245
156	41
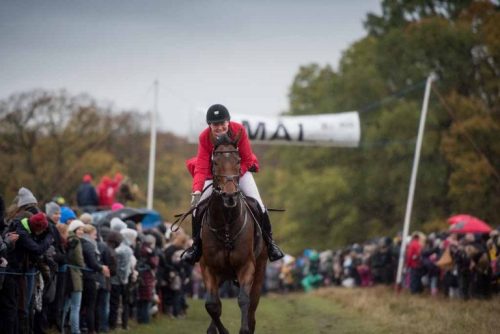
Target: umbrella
128	214
467	224
462	218
151	219
148	218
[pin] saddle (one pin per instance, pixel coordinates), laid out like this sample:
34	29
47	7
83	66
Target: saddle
250	202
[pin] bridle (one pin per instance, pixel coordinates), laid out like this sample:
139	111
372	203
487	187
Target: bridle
234	178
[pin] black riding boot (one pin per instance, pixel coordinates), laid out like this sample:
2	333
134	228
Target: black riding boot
274	252
193	253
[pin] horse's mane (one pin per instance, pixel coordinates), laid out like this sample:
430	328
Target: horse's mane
224	140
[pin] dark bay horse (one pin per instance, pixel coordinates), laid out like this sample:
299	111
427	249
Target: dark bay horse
233	248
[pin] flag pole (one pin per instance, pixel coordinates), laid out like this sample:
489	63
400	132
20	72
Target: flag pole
152	150
411	191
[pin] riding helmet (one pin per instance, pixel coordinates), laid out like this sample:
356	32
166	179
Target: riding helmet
217	113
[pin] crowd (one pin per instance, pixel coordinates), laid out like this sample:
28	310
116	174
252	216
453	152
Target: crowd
455	265
75	273
61	269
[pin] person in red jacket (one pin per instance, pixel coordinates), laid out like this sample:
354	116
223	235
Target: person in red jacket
414	263
218	120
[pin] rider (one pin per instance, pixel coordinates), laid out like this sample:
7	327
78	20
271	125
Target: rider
219	123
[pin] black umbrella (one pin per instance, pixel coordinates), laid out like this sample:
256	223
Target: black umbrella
128	214
136	215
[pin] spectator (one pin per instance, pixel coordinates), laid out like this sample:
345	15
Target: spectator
8	284
67	215
117	224
106	193
481	270
414	263
86	218
93	261
55	308
175	272
429	258
53	211
147	265
108	257
86	195
120	282
31	225
75	284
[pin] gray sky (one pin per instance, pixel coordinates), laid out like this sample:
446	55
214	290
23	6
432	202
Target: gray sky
243	54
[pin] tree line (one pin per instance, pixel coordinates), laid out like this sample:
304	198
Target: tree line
332	196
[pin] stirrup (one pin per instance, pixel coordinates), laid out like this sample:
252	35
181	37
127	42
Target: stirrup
274	252
191	255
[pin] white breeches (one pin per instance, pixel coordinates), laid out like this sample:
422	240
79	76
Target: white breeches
247	186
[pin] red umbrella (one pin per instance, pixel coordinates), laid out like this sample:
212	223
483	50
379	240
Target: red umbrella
468	224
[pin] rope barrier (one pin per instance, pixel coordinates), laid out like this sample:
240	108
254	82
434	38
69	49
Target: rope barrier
396	95
14	273
61	269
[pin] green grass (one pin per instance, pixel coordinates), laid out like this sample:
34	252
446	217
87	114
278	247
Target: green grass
373	310
294	313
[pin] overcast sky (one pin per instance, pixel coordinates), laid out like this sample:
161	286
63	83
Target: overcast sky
243	54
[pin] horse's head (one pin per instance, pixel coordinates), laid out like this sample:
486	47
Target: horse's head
226	170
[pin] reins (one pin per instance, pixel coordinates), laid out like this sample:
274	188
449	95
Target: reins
226	237
182	216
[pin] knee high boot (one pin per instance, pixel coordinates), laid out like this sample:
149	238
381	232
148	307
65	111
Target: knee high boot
274	252
193	253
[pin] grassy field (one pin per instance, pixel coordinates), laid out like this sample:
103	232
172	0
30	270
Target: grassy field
340	310
293	313
405	313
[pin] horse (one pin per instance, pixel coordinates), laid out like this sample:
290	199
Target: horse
232	247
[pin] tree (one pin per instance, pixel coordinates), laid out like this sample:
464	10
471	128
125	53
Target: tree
378	75
471	148
48	140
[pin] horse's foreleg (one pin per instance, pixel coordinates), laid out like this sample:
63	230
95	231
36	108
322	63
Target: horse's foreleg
213	306
245	278
256	289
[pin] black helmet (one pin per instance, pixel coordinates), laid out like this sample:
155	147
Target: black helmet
217	113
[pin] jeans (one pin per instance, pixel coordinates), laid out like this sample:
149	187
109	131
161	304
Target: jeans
118	291
178	306
143	311
8	305
416	280
74	301
102	310
30	287
89	298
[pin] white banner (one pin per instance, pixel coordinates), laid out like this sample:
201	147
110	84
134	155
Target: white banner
341	129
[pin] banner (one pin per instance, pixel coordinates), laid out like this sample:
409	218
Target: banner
341	129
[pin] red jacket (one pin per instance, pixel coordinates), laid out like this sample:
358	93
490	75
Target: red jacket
413	254
199	166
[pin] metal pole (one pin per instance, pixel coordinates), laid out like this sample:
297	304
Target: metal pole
411	191
152	150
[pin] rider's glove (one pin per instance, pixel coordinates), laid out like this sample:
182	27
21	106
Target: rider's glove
195	198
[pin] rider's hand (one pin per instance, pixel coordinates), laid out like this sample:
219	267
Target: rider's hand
195	198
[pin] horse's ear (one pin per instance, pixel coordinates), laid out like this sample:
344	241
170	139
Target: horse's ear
237	138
